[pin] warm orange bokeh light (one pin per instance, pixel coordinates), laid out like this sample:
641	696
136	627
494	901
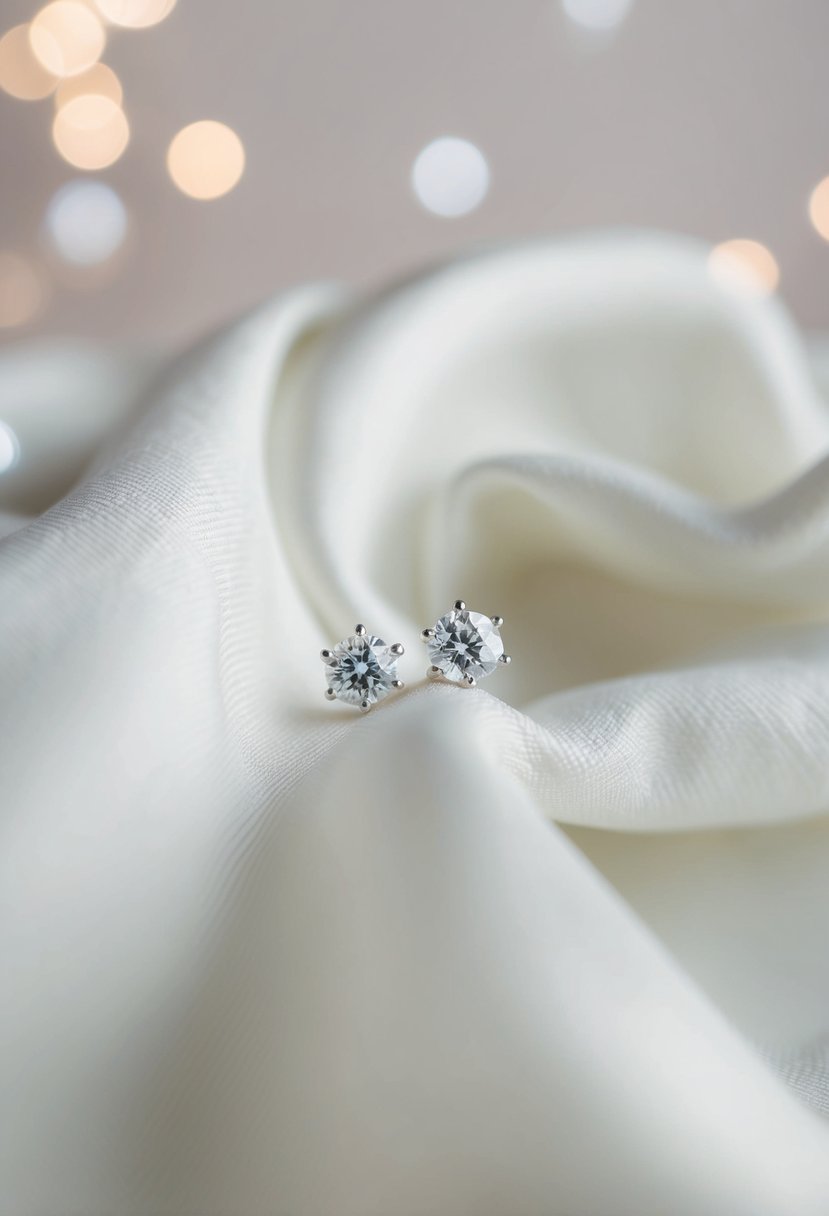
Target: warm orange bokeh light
819	208
90	131
21	291
67	37
99	80
21	73
135	14
206	159
746	264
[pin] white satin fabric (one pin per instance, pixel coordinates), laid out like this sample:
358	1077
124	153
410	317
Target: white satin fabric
554	946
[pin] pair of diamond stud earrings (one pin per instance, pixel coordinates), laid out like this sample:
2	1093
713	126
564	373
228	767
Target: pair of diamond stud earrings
464	647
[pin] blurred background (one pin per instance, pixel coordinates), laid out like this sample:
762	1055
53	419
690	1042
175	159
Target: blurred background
167	163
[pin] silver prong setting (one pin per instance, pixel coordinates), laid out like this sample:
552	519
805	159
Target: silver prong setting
465	647
362	669
506	659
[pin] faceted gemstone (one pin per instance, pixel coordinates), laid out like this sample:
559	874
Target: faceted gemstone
465	644
361	669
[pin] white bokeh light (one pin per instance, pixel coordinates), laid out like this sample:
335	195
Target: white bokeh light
90	131
598	15
819	208
206	159
9	448
67	37
86	222
135	14
450	176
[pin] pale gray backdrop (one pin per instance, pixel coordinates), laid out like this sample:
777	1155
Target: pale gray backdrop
705	117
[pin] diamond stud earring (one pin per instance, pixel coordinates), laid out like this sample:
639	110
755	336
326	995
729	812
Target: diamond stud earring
465	646
362	669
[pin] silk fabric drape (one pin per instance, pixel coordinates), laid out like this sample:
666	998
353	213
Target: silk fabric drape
556	945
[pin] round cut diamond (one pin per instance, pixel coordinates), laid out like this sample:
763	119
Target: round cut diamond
361	669
465	644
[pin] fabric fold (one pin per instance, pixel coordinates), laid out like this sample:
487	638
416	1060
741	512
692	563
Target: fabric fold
526	950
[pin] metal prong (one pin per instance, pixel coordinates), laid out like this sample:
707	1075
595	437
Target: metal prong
330	695
460	605
433	673
397	684
426	635
365	706
497	621
505	659
360	630
325	655
398	648
469	681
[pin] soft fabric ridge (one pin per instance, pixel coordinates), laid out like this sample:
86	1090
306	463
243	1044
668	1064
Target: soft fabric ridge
555	945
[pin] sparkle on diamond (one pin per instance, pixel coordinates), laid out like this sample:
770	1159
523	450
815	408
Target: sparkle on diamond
465	644
361	669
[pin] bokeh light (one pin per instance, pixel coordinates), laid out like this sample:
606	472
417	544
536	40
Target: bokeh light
21	73
21	290
819	208
90	131
450	176
135	14
9	448
67	37
597	15
98	81
206	159
745	264
86	222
